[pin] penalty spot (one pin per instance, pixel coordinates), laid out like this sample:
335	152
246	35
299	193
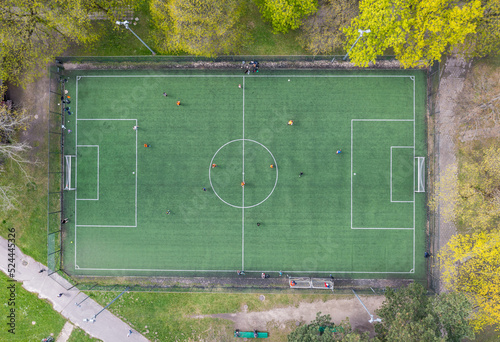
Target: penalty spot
355	173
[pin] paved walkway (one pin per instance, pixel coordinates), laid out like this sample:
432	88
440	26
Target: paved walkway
106	327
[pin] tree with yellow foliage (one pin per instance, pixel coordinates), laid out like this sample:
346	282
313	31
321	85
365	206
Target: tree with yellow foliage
487	39
471	265
418	31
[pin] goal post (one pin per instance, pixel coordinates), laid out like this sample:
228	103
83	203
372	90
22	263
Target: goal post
67	173
420	174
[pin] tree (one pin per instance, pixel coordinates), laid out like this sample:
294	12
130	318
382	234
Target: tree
12	119
418	32
33	32
200	27
479	103
471	264
322	32
487	39
322	329
286	15
408	314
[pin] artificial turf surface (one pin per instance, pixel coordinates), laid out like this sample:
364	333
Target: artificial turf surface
371	224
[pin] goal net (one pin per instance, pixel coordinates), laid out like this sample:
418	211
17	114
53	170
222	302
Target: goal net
299	283
67	173
420	174
322	283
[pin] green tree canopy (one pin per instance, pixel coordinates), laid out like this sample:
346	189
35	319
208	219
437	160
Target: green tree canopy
418	31
408	314
486	41
286	15
33	32
200	27
323	330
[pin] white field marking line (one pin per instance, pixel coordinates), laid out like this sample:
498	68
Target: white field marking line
339	76
104	225
107	120
136	173
76	163
210	174
243	188
92	199
390	170
233	76
352	157
231	271
414	128
76	166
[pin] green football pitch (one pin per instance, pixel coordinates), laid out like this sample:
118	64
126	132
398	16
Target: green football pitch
304	209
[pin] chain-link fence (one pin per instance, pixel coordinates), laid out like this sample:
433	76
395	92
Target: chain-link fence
218	59
55	169
432	243
57	228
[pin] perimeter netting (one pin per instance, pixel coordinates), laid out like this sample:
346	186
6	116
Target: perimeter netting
420	174
67	173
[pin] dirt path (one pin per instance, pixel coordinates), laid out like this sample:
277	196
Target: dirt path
450	87
35	98
339	309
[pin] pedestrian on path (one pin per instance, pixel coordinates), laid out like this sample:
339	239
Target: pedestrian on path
41	271
129	333
60	295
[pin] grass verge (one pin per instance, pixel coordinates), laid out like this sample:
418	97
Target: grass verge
78	335
148	312
34	318
30	220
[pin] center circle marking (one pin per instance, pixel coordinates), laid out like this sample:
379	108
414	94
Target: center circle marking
239	206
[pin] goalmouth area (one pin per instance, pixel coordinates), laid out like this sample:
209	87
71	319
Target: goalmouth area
149	201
